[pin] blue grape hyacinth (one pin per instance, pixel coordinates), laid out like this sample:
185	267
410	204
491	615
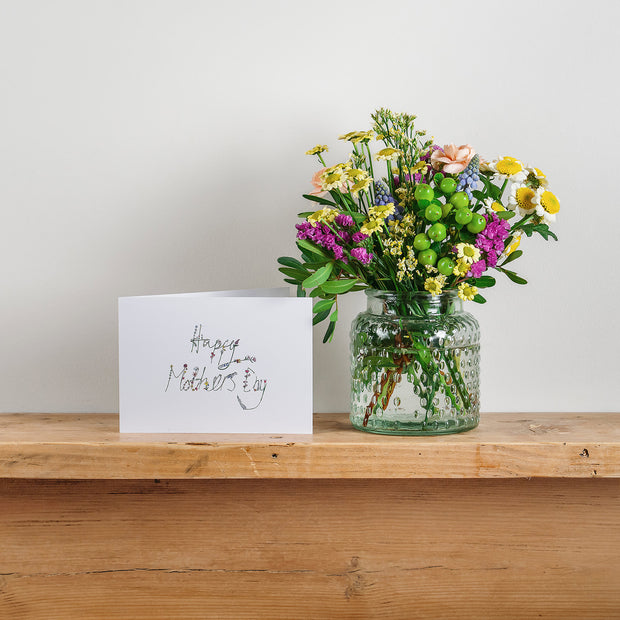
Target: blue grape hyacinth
383	197
468	179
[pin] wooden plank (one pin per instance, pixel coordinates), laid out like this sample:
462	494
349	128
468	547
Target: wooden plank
503	446
438	549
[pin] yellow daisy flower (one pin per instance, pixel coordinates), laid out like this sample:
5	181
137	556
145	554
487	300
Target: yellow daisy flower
461	268
355	174
466	291
357	136
382	211
362	184
325	215
318	149
467	252
388	153
433	286
371	226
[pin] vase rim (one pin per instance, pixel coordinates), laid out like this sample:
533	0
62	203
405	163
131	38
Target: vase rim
376	292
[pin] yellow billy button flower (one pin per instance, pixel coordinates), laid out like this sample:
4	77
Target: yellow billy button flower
522	199
467	252
433	286
370	226
318	149
467	291
388	153
325	215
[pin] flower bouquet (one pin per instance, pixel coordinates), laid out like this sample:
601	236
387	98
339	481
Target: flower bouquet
419	226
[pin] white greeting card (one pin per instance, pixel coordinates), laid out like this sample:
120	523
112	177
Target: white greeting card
216	362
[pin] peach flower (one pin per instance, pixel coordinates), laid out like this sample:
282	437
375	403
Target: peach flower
452	159
316	181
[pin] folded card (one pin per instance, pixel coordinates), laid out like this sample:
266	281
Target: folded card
217	362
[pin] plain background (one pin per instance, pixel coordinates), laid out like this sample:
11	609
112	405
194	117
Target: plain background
158	147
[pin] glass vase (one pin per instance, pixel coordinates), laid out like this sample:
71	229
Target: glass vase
415	365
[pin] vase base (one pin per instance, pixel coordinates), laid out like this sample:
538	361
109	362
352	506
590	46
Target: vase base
394	427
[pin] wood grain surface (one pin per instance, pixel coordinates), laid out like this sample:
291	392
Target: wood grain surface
327	549
503	446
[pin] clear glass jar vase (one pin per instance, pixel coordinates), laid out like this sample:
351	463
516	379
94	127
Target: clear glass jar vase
415	365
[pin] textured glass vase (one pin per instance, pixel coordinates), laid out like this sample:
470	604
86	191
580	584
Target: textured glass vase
415	365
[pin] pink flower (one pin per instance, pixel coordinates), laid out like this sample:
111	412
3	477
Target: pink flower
451	158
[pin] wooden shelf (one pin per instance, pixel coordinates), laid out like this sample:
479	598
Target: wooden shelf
89	446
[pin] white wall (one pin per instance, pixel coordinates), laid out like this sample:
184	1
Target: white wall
158	146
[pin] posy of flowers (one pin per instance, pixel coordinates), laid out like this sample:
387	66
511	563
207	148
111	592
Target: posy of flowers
411	215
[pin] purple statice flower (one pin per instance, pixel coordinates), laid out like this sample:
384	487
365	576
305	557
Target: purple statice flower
491	242
483	243
338	252
344	236
344	220
428	153
477	269
362	255
492	258
303	230
358	237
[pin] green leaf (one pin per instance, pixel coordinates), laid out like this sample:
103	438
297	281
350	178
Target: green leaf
323	304
357	217
319	276
479	299
336	287
321	316
544	232
300	291
505	215
291	281
304	244
329	332
321	201
317	292
484	282
287	261
334	317
467	237
305	214
294	273
513	256
513	276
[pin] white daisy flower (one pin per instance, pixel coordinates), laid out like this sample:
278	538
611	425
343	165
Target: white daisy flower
505	168
492	206
522	199
547	205
537	176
